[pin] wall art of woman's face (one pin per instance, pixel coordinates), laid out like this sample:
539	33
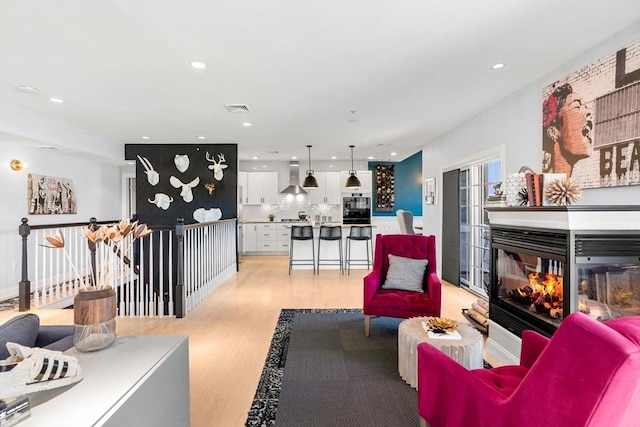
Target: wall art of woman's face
575	131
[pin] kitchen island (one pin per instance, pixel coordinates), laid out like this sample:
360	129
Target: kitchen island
273	238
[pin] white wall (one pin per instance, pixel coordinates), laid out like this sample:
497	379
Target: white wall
97	186
515	124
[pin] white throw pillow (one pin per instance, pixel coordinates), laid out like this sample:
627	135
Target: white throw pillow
406	274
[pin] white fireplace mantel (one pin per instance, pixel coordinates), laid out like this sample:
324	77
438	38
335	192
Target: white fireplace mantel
623	217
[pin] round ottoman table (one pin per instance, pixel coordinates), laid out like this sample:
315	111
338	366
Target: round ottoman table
467	350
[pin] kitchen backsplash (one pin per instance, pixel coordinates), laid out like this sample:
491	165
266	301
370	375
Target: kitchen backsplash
289	208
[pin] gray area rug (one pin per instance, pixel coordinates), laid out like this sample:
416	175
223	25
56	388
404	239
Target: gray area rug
322	371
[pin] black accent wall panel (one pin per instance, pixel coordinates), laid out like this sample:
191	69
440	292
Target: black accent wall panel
161	157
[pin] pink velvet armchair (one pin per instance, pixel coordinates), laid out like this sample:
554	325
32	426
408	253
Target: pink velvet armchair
587	374
401	303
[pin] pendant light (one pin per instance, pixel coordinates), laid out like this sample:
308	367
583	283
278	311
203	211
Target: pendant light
352	182
310	181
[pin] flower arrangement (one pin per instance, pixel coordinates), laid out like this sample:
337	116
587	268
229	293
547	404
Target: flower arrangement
122	233
104	269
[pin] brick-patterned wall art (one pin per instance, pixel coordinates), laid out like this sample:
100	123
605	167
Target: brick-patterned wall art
591	122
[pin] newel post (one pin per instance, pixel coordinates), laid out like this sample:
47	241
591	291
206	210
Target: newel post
24	288
180	295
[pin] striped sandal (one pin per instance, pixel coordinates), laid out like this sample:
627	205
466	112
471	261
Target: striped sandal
28	370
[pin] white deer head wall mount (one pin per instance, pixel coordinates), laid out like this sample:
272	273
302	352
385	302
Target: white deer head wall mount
217	167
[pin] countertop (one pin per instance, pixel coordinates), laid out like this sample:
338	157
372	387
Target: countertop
316	225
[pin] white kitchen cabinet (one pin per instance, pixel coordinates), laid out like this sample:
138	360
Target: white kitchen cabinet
366	182
262	188
266	238
283	237
328	191
242	188
249	238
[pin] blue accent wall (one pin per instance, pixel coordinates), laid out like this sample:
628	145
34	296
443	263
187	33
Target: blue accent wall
408	185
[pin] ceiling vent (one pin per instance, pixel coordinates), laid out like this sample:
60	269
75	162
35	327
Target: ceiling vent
294	180
237	108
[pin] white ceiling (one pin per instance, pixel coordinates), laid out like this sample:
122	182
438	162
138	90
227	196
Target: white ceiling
411	70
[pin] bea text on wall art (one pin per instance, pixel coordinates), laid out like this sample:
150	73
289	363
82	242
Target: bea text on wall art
51	195
591	122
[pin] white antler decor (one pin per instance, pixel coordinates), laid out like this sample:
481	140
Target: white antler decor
152	176
186	193
218	167
162	201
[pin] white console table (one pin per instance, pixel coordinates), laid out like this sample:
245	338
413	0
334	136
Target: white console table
138	381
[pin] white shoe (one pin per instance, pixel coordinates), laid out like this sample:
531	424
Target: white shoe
28	370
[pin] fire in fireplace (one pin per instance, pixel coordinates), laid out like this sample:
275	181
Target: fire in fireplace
544	297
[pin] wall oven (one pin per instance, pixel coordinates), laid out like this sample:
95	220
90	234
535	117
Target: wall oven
356	210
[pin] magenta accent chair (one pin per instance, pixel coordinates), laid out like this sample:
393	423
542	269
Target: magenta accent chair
398	303
587	374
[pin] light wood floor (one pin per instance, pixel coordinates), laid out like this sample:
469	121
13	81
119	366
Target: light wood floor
230	331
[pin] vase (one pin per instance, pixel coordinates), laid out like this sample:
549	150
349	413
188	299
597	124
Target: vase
94	318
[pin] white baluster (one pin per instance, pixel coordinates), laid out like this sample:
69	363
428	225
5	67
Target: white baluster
36	294
170	261
150	286
141	279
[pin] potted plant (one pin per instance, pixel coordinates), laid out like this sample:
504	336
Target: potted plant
271	217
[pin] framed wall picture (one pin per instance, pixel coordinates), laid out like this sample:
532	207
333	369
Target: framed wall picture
430	191
50	195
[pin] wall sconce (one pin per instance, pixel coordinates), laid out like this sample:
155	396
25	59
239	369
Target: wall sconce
17	165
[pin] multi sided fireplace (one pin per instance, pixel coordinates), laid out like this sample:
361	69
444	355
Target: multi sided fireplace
549	262
530	279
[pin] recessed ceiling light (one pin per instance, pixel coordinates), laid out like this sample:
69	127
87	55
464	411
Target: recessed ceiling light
198	65
246	124
294	157
330	166
56	100
201	137
333	157
393	154
264	166
27	89
145	137
497	66
254	168
370	157
255	158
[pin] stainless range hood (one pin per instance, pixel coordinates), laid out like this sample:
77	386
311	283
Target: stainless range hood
294	180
